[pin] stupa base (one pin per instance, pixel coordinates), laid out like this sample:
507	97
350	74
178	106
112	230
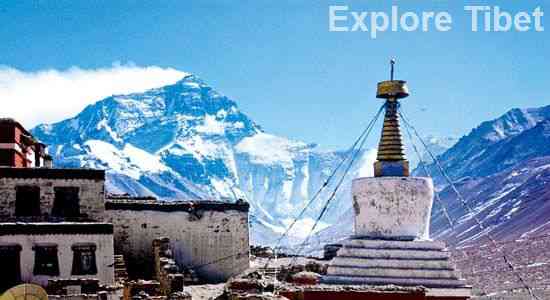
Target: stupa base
401	263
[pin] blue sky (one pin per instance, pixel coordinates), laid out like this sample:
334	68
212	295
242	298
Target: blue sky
278	60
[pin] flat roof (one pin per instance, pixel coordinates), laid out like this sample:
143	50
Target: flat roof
10	121
130	197
169	206
50	173
55	228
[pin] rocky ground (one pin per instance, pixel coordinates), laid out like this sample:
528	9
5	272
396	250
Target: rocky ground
481	264
205	291
485	269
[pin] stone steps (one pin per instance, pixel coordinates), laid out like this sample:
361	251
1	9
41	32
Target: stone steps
393	272
121	274
362	280
390	262
342	261
393	254
270	272
403	245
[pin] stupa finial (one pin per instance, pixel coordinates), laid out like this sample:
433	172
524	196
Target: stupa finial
391	159
392	64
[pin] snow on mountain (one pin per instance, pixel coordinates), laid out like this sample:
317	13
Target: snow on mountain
267	149
187	141
502	169
485	150
129	160
436	145
511	204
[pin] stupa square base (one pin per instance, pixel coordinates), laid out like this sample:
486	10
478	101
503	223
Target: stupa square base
401	263
392	208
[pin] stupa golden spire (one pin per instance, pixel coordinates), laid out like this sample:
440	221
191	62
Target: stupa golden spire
391	159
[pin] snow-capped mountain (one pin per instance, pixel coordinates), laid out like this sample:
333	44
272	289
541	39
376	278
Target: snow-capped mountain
187	141
512	201
491	146
502	169
436	145
511	204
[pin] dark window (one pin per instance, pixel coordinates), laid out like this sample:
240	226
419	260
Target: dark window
66	203
27	201
10	275
6	157
84	259
45	260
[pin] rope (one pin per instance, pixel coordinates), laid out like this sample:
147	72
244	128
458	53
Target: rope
237	254
325	207
362	139
218	260
425	169
326	182
534	238
471	211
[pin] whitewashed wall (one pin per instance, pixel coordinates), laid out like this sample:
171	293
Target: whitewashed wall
218	236
104	255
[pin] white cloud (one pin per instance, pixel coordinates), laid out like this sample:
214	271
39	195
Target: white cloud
366	168
48	96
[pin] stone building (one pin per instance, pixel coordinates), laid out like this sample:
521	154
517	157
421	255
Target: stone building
212	238
38	252
18	148
52	226
57	228
50	195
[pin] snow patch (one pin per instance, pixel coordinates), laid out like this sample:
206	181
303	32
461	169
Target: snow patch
211	126
192	85
145	160
225	188
130	161
366	168
303	227
74	124
103	125
269	149
537	264
198	147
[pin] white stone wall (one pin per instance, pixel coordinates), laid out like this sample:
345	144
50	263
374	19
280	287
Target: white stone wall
104	255
91	194
214	239
393	207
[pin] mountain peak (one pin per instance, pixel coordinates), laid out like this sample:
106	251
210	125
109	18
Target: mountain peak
186	140
488	147
191	78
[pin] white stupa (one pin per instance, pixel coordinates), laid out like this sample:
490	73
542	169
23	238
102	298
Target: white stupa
391	244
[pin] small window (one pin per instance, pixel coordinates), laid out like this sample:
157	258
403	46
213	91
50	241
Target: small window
27	201
84	259
66	202
45	260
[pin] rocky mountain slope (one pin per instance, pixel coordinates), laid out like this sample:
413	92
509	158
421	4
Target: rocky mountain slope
502	170
187	141
511	204
492	146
